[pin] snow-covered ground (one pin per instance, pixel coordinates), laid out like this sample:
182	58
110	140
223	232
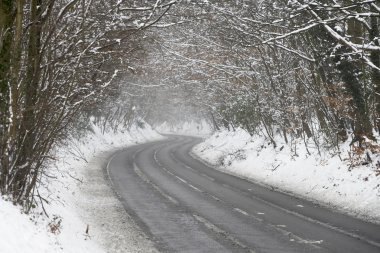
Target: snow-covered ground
193	128
79	199
325	178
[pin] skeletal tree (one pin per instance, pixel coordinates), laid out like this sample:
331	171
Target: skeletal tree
58	59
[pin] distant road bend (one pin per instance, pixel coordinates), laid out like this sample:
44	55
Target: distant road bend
186	206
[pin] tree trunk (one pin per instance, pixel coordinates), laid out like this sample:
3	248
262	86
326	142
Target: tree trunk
216	127
348	71
31	87
375	58
6	37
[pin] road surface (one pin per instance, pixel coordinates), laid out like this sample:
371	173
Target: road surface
184	205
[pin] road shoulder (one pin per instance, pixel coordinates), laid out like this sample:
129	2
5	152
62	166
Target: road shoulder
109	224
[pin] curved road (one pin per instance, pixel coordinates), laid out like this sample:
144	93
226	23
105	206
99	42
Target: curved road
185	206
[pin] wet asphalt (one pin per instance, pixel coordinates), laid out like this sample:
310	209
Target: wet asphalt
184	205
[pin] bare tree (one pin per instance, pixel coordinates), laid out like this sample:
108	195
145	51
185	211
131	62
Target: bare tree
58	58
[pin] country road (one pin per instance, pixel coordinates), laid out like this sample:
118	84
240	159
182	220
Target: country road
184	205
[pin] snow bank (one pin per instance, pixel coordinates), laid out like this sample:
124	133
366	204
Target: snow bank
18	233
325	178
79	199
193	128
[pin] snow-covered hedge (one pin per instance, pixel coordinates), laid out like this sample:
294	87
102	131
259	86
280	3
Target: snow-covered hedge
65	228
328	177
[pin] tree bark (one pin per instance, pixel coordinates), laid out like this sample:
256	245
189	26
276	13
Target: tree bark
30	90
375	58
6	37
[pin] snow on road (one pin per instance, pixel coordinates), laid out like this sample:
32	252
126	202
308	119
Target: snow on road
80	198
326	179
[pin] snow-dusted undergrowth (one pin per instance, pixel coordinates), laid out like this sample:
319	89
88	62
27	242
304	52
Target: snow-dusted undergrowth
327	179
193	128
79	199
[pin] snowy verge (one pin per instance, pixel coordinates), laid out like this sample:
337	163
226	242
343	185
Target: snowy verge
326	178
84	213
